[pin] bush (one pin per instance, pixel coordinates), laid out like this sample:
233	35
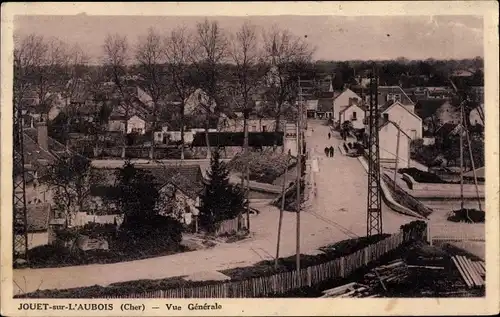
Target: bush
264	167
422	176
98	230
467	215
415	230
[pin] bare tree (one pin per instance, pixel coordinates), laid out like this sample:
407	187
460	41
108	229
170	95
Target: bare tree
151	58
115	59
286	55
178	49
209	53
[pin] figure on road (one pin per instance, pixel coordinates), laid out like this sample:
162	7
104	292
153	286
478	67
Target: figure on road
327	151
331	151
329	135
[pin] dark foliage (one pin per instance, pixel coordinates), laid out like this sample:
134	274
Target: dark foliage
467	215
220	200
422	176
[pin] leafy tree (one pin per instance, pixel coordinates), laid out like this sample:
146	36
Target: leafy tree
220	200
70	178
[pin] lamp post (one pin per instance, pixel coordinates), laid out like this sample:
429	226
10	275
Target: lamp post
196	212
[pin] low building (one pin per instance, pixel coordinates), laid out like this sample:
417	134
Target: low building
355	113
234	122
390	149
343	100
404	116
135	124
325	108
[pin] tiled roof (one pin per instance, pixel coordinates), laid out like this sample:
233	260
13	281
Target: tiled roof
33	153
188	178
38	216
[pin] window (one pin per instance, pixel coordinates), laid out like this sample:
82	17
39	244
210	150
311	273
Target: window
354	117
254	128
413	134
386	117
264	128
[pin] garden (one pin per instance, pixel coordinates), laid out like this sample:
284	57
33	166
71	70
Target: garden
264	166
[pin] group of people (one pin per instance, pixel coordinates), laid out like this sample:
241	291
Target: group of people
329	151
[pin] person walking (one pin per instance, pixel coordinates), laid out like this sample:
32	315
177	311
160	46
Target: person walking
329	135
331	151
327	150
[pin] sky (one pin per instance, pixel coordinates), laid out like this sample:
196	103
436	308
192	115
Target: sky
334	37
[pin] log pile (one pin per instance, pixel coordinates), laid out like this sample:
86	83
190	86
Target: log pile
472	272
373	282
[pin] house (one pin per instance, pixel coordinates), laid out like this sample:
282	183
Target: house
436	112
390	149
392	94
311	108
234	122
342	101
404	116
355	113
476	115
198	103
135	124
325	108
179	188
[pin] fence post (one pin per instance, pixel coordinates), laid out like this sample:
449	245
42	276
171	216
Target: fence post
342	267
309	273
429	233
365	255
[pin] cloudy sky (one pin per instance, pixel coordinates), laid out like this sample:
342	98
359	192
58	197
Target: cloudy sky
335	37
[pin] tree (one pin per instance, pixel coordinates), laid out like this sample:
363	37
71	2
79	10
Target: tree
150	56
178	46
220	200
286	56
70	178
208	54
115	62
139	199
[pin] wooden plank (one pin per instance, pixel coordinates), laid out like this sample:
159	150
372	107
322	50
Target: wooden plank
462	273
475	277
466	271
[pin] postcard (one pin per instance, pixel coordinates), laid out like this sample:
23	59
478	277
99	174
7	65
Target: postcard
250	158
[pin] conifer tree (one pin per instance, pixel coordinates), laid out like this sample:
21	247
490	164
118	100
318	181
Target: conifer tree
220	200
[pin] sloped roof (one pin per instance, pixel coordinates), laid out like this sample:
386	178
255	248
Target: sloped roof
426	108
236	139
479	173
360	106
446	129
33	153
312	104
187	178
390	104
405	99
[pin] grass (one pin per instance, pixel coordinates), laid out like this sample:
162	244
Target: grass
264	268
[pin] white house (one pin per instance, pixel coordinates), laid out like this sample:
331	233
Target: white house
255	123
405	117
388	143
342	101
135	124
198	102
477	115
353	113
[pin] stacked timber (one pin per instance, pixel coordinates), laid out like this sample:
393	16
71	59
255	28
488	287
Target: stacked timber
473	272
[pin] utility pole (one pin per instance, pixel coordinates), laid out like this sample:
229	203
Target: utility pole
374	210
473	165
282	208
299	176
397	155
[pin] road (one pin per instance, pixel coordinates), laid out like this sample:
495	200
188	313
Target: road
337	213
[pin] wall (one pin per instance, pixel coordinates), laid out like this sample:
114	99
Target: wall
36	239
360	116
407	121
388	145
444	190
254	125
342	101
136	123
115	125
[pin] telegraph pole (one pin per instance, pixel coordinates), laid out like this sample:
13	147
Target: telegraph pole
374	210
299	176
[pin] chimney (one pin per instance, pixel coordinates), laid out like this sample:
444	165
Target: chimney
42	133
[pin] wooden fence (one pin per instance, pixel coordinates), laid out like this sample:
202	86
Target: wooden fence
282	282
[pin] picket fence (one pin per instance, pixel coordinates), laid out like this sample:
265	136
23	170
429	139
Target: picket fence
282	282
